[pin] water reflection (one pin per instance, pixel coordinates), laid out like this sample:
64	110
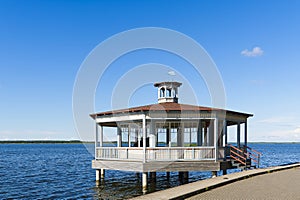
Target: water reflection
63	171
132	185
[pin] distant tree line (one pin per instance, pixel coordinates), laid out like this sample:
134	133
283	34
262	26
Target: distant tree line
42	142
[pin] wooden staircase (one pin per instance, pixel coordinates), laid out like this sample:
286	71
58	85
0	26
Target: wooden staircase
244	157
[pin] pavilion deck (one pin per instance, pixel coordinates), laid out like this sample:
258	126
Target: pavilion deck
160	159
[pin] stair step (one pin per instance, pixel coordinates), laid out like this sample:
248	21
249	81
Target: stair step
239	155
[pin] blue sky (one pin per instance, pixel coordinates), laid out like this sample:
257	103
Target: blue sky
43	44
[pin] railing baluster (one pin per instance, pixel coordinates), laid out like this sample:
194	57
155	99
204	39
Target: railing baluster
193	153
156	153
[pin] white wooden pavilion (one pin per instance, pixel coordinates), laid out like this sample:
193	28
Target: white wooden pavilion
169	136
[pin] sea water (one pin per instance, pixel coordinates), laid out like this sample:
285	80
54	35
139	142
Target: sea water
63	171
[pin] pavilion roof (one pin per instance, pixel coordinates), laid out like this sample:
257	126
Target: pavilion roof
167	107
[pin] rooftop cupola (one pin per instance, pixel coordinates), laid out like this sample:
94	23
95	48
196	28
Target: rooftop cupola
167	91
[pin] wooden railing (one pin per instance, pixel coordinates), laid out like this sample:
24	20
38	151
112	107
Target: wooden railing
238	155
254	155
245	154
155	153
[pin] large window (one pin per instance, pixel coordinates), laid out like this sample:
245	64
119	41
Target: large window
125	134
190	134
174	137
162	137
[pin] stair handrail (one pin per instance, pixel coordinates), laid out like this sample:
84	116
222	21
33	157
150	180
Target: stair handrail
239	159
255	157
241	156
251	149
240	150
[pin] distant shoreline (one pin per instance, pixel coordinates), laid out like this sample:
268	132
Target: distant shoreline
44	142
84	142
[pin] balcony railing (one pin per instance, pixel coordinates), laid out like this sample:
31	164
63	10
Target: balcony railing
156	153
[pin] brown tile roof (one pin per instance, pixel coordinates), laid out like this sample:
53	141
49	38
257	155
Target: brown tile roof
167	82
163	107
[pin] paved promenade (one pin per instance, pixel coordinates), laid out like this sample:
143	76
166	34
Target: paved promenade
277	185
282	182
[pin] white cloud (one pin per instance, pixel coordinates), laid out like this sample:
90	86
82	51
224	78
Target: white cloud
297	130
279	128
285	135
256	51
172	73
277	120
30	135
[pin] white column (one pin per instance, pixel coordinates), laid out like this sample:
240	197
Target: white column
119	137
101	145
101	136
129	133
144	137
139	137
190	136
238	138
152	135
96	137
205	134
170	135
136	140
211	133
182	135
179	136
246	140
225	131
220	133
199	134
216	134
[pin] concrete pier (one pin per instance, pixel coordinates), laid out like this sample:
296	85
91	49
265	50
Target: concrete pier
281	182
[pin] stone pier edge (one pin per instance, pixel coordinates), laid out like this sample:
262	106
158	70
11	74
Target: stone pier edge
191	189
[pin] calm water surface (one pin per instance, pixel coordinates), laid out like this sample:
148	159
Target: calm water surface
63	171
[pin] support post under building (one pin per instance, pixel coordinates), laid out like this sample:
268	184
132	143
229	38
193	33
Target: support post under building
144	181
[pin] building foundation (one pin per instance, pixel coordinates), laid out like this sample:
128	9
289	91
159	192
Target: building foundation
214	174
